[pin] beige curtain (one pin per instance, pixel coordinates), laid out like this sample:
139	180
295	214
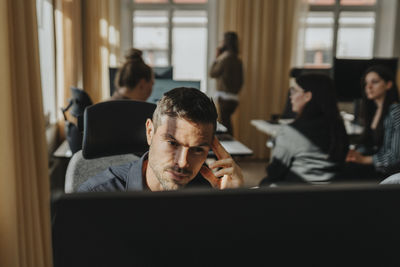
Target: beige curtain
87	41
101	42
68	34
266	30
25	238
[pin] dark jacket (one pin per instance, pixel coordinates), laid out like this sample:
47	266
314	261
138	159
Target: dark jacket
228	70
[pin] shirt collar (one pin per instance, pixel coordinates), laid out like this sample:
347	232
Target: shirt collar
135	176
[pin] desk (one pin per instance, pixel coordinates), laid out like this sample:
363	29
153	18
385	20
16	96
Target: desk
63	151
272	129
234	147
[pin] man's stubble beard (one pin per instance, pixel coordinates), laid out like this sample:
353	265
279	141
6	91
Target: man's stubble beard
166	184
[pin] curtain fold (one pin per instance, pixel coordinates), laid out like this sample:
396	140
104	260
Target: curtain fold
24	180
267	33
101	43
68	35
87	43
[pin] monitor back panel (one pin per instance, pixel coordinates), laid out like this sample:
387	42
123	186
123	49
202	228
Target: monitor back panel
196	226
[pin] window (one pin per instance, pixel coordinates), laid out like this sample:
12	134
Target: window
47	58
339	28
150	35
173	32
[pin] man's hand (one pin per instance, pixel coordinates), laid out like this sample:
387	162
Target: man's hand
229	176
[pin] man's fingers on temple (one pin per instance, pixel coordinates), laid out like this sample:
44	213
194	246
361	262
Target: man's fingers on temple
225	171
209	176
221	163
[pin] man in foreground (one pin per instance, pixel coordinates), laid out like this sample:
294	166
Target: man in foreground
180	136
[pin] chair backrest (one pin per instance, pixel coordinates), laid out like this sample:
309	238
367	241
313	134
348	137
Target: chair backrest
114	134
115	128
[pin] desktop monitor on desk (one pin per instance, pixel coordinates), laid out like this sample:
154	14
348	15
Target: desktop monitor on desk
347	75
159	73
163	72
238	227
162	86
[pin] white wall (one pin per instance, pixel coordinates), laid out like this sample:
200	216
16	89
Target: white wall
385	44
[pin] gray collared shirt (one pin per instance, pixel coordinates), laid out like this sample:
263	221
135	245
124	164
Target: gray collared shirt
127	177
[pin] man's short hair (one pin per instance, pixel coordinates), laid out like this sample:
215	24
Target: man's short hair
187	103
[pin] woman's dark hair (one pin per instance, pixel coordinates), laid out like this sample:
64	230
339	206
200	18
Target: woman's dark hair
323	105
133	70
231	42
368	106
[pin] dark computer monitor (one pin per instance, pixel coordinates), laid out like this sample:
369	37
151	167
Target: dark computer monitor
295	72
307	226
112	72
163	72
347	74
162	86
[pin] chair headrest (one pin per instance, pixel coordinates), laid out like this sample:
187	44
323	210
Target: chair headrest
116	127
80	100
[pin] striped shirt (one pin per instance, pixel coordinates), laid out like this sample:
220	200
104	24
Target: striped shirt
389	153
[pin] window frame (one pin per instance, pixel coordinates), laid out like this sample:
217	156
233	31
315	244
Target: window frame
336	9
46	35
170	7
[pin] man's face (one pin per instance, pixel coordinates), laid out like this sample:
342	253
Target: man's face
178	148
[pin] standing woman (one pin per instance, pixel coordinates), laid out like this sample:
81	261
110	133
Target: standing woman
380	145
227	69
135	79
313	148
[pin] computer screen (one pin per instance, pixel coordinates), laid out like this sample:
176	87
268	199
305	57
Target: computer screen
112	72
347	74
294	72
238	227
162	86
163	72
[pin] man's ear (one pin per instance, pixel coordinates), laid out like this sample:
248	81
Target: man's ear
149	131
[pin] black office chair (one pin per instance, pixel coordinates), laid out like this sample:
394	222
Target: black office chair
78	102
114	134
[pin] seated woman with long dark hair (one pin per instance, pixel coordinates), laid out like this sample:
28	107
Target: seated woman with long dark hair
379	150
313	148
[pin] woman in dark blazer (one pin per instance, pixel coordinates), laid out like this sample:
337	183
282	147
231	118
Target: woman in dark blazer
379	150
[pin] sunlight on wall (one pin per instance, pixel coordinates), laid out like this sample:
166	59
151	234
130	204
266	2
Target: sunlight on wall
59	62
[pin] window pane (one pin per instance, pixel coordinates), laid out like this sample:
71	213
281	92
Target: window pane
47	58
150	34
190	1
319	39
157	58
189	55
357	2
150	1
356	34
321	2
